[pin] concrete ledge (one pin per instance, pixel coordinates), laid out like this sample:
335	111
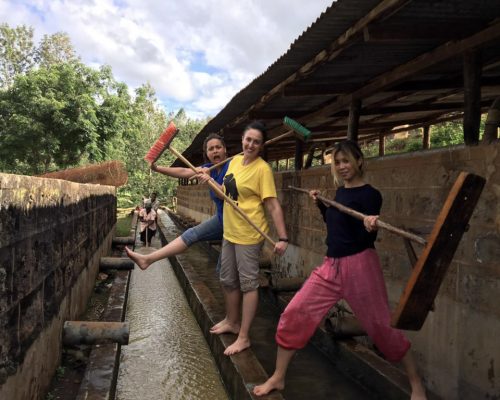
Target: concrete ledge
241	372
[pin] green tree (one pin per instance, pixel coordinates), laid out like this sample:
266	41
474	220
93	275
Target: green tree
48	118
55	49
16	52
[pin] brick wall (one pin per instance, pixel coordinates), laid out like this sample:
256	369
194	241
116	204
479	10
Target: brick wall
52	233
457	349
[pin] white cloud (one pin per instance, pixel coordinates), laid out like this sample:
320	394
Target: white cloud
196	54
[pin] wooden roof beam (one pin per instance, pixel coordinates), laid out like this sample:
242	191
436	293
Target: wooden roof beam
404	33
402	72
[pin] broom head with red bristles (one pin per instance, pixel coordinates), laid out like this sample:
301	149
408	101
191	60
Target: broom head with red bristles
161	144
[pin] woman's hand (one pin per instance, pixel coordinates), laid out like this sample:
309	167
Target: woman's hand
203	177
280	247
370	222
313	194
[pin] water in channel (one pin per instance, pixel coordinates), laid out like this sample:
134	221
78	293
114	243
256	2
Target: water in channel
167	356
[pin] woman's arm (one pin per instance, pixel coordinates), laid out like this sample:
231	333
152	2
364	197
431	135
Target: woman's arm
175	172
274	208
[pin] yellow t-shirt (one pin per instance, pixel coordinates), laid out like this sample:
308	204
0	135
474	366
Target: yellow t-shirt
248	185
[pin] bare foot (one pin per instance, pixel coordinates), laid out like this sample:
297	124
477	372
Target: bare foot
225	326
238	346
139	259
268	386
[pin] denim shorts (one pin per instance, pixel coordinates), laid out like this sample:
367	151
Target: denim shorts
211	229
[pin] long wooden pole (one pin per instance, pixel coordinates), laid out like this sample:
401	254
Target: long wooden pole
361	216
217	190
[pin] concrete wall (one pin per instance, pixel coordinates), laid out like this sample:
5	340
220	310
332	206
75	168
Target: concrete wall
52	234
457	350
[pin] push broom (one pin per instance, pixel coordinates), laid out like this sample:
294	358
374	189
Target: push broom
164	142
296	129
430	267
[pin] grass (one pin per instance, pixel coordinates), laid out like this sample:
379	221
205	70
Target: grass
123	221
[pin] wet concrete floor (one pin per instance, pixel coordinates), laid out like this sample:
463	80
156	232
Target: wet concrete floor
311	375
167	356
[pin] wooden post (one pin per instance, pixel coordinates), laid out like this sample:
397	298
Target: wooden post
123	240
299	155
95	332
472	96
122	263
427	137
287	284
381	145
353	123
343	327
492	122
310	157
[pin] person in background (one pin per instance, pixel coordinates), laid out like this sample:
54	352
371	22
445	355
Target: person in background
147	219
155	203
249	182
351	270
215	150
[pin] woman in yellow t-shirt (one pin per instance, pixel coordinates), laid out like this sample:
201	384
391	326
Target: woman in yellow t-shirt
249	182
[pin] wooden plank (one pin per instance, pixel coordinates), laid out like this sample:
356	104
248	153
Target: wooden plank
429	271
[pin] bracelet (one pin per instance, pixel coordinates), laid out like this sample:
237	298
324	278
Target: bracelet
283	240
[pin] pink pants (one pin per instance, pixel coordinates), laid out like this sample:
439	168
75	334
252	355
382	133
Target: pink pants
358	279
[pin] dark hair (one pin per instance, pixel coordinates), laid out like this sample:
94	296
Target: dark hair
352	151
209	138
258	125
261	127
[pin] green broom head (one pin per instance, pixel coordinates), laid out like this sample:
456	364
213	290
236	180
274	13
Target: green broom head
301	132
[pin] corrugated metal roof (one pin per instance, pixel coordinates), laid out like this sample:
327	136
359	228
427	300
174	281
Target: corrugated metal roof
401	34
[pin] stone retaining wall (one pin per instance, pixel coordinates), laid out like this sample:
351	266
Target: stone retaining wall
52	234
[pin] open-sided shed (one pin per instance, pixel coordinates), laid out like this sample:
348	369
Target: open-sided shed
368	68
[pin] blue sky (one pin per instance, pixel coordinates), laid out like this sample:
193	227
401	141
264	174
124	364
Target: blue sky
196	54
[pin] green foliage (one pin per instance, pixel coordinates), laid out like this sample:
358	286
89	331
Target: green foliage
447	134
48	118
16	52
55	49
441	135
56	113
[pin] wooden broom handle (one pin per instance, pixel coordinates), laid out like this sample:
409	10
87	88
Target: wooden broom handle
216	189
361	216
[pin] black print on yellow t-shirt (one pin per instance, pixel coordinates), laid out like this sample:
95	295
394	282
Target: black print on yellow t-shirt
231	189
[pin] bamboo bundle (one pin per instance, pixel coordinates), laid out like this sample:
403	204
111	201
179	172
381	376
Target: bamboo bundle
111	173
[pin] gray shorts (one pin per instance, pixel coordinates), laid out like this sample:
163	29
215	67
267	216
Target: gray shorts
240	265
